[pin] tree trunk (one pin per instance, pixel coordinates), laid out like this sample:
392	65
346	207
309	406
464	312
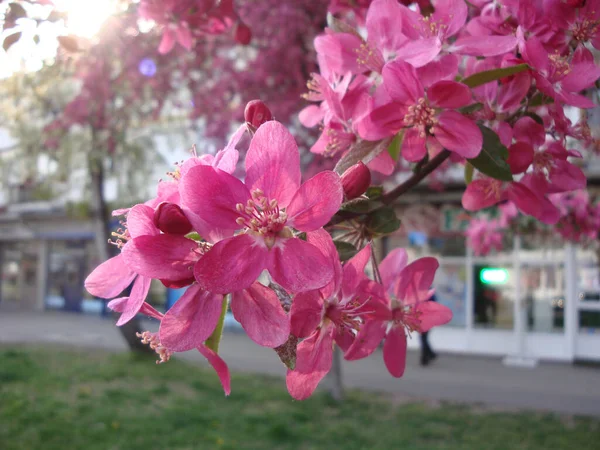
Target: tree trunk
335	376
100	217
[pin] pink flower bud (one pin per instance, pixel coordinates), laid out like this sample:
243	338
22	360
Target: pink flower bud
242	34
169	218
356	180
257	113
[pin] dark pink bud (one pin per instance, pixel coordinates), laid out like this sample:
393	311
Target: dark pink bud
169	218
242	34
356	180
178	284
257	113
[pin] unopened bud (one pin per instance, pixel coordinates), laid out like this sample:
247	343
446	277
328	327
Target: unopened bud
356	180
169	218
257	113
242	33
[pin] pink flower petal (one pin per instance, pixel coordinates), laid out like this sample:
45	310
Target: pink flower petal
191	320
432	314
166	256
140	221
382	163
311	116
315	203
528	130
458	134
394	351
392	265
413	145
401	82
273	163
110	278
442	67
138	295
354	271
520	157
184	37
226	160
338	52
383	19
213	195
314	356
415	281
367	340
292	264
479	195
260	313
381	122
322	240
567	177
232	264
452	13
582	76
167	42
483	45
525	199
449	94
306	312
219	365
420	52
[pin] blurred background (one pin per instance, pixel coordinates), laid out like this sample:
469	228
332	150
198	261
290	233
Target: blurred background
92	115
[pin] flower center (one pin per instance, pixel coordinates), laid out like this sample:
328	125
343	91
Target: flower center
493	189
542	161
421	116
369	58
337	141
315	92
560	65
121	236
585	30
432	28
261	215
153	341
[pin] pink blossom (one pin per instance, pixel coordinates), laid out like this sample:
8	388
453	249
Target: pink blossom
406	290
428	115
266	208
331	314
484	235
562	77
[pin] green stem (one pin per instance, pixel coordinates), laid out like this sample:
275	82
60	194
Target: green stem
215	338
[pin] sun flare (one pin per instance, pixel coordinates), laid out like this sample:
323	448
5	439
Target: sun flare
85	17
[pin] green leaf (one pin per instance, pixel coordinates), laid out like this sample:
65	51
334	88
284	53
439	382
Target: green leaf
374	192
492	158
487	76
396	146
468	172
215	338
382	221
345	250
540	99
535	117
194	236
364	151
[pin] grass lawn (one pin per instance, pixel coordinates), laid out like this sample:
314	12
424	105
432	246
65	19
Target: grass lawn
66	399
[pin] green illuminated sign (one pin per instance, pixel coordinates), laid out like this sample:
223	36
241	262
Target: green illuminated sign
493	276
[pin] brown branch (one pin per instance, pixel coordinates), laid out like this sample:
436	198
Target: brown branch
389	197
386	199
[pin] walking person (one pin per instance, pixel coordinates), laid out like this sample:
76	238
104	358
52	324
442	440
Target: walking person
427	353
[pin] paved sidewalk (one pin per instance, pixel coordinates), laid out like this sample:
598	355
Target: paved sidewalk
561	388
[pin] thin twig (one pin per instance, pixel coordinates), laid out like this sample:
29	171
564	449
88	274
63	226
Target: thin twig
375	267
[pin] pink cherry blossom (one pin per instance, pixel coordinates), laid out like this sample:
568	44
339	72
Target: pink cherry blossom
266	209
426	114
406	290
331	314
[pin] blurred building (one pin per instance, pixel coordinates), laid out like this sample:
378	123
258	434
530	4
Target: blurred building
45	253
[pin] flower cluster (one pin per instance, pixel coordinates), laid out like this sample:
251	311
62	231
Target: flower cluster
458	77
217	235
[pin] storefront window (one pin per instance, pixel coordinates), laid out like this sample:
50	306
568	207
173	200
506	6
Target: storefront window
543	294
451	290
588	260
494	293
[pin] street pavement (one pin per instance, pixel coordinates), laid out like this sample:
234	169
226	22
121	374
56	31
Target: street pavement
555	387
